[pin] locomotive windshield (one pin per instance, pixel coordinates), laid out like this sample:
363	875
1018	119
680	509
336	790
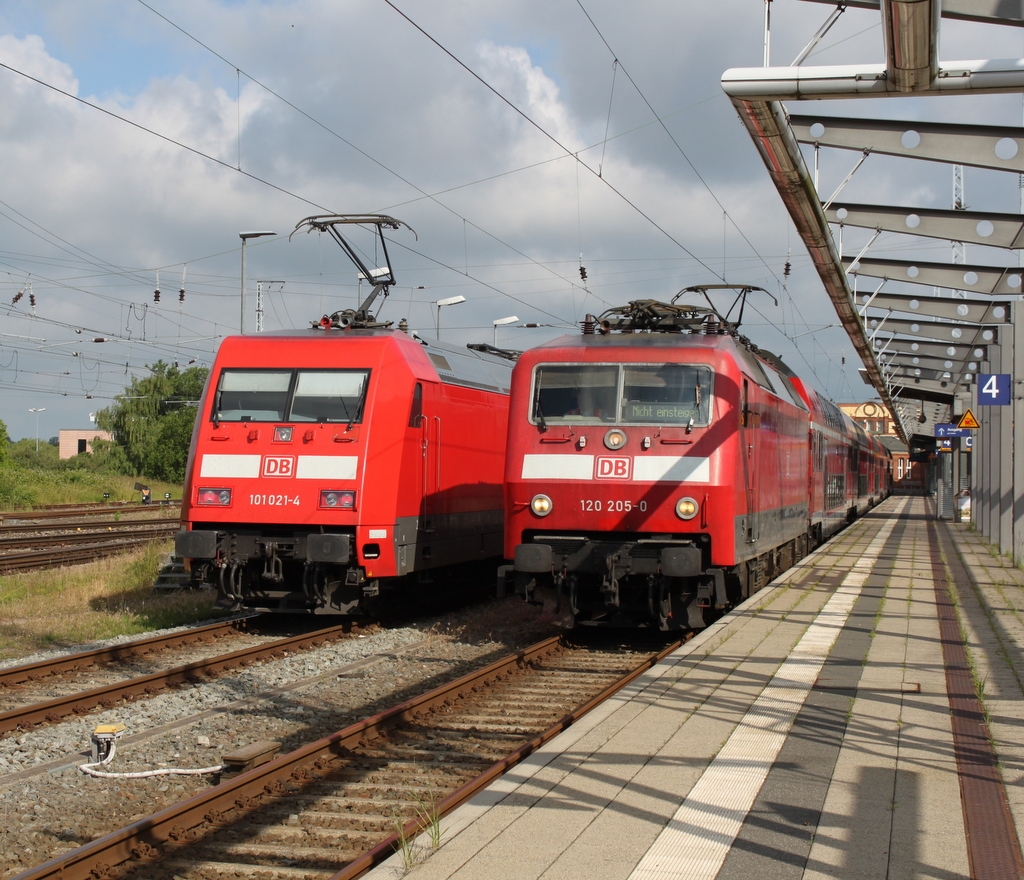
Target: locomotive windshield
291	396
637	394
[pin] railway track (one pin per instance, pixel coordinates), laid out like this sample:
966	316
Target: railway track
80	511
336	806
55	538
30	712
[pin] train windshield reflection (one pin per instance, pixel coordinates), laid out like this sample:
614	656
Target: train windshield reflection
291	396
636	394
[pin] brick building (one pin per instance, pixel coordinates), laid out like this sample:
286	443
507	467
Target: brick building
875	418
71	443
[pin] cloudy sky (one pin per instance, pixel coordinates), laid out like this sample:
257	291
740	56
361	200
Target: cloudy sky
520	140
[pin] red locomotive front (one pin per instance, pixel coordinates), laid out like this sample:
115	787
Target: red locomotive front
327	463
652	475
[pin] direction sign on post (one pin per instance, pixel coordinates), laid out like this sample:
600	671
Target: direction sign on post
994	389
944	434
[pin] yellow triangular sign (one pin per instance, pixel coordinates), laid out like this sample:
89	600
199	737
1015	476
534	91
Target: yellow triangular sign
968	421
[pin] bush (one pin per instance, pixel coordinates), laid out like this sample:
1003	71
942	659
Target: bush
22	486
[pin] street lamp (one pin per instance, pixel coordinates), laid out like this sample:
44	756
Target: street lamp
511	319
37	411
245	236
450	301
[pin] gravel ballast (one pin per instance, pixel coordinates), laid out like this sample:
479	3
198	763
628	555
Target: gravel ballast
48	805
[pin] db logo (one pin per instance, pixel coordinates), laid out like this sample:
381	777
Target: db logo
278	466
609	468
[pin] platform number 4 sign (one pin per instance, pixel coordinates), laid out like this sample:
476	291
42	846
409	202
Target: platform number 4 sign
993	389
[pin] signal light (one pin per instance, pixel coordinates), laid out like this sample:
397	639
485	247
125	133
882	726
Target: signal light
214	497
338	499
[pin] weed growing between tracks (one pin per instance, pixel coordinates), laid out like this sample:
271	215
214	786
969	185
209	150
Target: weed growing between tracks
77	605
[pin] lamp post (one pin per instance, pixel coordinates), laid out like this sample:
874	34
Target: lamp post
511	319
37	411
245	236
450	301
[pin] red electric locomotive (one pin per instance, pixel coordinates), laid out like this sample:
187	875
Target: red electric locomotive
658	466
331	462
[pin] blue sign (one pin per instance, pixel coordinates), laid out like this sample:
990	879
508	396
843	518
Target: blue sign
994	389
944	434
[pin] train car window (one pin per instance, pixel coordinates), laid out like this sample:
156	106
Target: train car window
329	396
833	415
755	368
666	394
416	413
783	388
252	395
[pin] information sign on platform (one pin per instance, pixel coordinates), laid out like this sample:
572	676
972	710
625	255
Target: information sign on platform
994	389
944	434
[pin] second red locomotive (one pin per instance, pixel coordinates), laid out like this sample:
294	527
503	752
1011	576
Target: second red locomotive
659	466
331	463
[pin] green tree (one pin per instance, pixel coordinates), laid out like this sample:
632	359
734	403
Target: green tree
104	457
152	420
4	443
25	452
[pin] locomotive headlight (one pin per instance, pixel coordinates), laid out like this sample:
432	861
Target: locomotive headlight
338	499
541	505
686	508
213	497
283	433
615	439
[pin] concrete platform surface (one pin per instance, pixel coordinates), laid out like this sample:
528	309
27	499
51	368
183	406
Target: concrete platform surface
807	734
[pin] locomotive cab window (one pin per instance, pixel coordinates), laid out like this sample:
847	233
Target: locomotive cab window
329	396
583	393
252	395
641	394
666	394
290	395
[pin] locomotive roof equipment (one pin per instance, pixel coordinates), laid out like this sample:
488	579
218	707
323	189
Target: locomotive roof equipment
383	277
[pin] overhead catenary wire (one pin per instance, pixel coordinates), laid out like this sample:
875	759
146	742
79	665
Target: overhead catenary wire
552	138
528	300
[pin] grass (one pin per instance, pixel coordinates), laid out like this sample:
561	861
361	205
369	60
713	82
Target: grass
22	487
427	813
78	605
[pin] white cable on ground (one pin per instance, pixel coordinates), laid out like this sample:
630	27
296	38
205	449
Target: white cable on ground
166	771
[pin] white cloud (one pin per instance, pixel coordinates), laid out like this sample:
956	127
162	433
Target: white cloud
382	115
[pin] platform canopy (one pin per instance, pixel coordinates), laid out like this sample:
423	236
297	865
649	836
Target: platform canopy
924	330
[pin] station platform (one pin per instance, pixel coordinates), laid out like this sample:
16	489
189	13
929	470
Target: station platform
861	717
